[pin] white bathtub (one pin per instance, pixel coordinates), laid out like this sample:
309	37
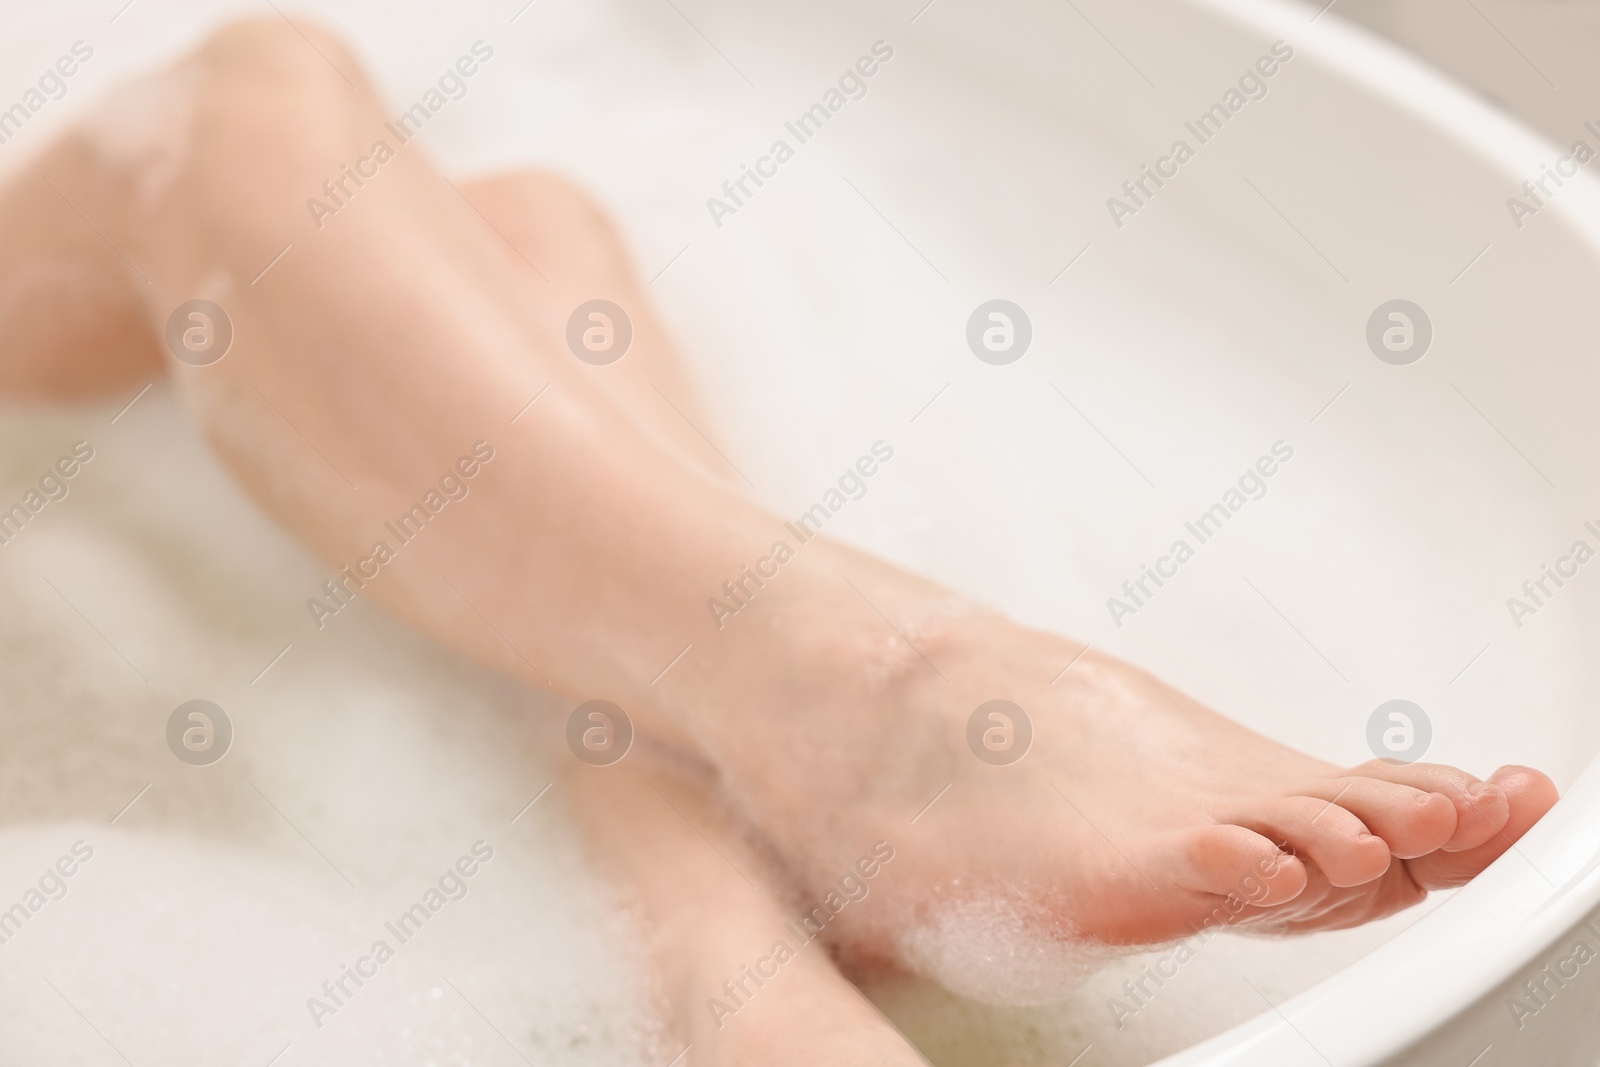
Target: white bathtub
829	311
1455	987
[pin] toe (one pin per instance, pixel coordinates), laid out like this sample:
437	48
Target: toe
1529	794
1411	821
1481	808
1324	833
1233	861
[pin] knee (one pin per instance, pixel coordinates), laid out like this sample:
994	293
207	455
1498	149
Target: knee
550	214
282	52
296	82
560	197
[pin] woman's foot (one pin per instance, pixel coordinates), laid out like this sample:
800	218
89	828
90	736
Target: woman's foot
1133	816
837	701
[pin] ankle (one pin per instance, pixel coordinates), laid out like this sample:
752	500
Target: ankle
847	648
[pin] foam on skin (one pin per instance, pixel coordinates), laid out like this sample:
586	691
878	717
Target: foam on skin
996	950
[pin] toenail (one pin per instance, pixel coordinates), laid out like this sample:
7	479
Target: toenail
1478	789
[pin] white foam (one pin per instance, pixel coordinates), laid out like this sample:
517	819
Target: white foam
995	951
219	903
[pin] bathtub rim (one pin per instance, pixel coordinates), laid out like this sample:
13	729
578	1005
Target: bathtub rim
1370	987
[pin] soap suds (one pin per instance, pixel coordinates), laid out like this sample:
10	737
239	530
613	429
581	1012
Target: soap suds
1002	952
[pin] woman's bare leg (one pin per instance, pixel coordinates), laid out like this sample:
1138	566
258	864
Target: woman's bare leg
72	319
743	980
566	253
650	822
835	703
